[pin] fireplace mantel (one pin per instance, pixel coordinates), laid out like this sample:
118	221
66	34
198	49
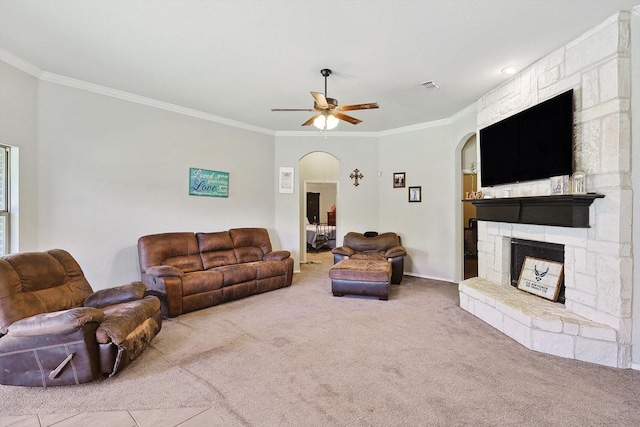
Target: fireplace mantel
570	210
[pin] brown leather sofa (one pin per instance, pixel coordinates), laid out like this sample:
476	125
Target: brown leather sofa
191	271
385	246
54	330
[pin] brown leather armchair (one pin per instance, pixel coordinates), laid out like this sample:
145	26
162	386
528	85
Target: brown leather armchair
383	246
54	330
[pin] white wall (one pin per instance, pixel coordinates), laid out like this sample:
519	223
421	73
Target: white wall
19	128
431	230
358	205
635	176
110	171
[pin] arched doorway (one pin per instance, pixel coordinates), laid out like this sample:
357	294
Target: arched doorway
469	224
318	174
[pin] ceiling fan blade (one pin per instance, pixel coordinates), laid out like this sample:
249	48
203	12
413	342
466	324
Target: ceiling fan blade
367	106
310	121
346	118
321	101
292	109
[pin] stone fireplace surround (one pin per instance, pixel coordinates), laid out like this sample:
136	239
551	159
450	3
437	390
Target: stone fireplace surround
595	322
535	322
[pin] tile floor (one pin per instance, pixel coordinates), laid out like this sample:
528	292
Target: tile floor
183	417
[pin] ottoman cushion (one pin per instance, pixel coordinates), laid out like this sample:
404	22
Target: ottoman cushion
361	270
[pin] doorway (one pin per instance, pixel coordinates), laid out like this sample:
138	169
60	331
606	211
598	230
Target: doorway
319	174
469	221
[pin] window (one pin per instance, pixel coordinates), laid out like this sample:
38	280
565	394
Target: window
4	200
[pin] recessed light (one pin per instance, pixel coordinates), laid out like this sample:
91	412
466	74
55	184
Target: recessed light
509	70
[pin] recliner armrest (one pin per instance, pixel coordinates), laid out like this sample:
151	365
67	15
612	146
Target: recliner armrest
343	250
276	255
395	251
55	322
110	296
164	271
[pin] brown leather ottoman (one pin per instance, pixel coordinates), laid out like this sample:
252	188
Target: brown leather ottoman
361	277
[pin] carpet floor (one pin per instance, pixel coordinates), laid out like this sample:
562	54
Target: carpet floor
299	356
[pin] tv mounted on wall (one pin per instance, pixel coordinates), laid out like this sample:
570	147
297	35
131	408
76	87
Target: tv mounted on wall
536	143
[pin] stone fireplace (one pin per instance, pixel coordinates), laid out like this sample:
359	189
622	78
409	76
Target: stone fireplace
594	322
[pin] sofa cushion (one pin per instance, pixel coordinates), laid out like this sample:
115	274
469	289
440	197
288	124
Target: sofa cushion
265	269
234	274
216	249
122	319
36	282
201	281
176	249
250	243
359	243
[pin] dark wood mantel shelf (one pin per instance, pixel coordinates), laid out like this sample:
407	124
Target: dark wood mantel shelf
570	210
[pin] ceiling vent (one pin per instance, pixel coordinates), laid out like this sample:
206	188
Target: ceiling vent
431	84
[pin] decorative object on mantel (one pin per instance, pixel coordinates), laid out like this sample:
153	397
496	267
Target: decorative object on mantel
541	277
559	185
399	180
356	175
203	182
579	183
415	194
473	195
570	210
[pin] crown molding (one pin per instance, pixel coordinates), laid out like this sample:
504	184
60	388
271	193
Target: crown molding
19	63
126	96
31	69
321	134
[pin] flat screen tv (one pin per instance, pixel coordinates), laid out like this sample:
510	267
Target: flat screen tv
536	143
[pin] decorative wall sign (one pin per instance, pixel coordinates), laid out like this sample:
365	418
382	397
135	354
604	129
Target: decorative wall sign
286	180
203	182
541	277
415	194
399	180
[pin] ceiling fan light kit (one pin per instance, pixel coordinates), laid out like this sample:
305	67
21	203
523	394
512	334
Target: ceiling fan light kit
328	112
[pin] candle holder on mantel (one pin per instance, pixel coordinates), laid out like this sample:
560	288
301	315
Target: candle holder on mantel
578	183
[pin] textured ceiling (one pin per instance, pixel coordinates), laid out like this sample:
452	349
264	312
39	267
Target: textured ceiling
238	59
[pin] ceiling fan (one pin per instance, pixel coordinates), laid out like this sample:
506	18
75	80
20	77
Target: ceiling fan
328	111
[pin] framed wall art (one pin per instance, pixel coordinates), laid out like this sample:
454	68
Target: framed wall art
399	179
415	194
203	182
285	184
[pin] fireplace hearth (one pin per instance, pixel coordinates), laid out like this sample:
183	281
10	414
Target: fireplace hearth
521	248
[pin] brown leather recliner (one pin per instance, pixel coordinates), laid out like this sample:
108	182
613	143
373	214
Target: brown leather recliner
383	246
54	330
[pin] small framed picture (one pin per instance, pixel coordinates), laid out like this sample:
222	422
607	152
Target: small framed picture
399	180
286	180
415	194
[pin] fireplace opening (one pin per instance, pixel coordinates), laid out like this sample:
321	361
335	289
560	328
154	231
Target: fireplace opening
523	248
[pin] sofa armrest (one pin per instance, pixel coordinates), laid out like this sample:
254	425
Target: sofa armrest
164	271
276	256
110	296
55	322
395	251
343	250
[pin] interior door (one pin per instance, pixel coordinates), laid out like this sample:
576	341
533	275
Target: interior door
313	207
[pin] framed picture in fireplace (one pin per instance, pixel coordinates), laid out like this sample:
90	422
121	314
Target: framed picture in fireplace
541	277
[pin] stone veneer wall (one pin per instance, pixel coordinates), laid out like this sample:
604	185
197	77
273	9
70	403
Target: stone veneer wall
598	261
